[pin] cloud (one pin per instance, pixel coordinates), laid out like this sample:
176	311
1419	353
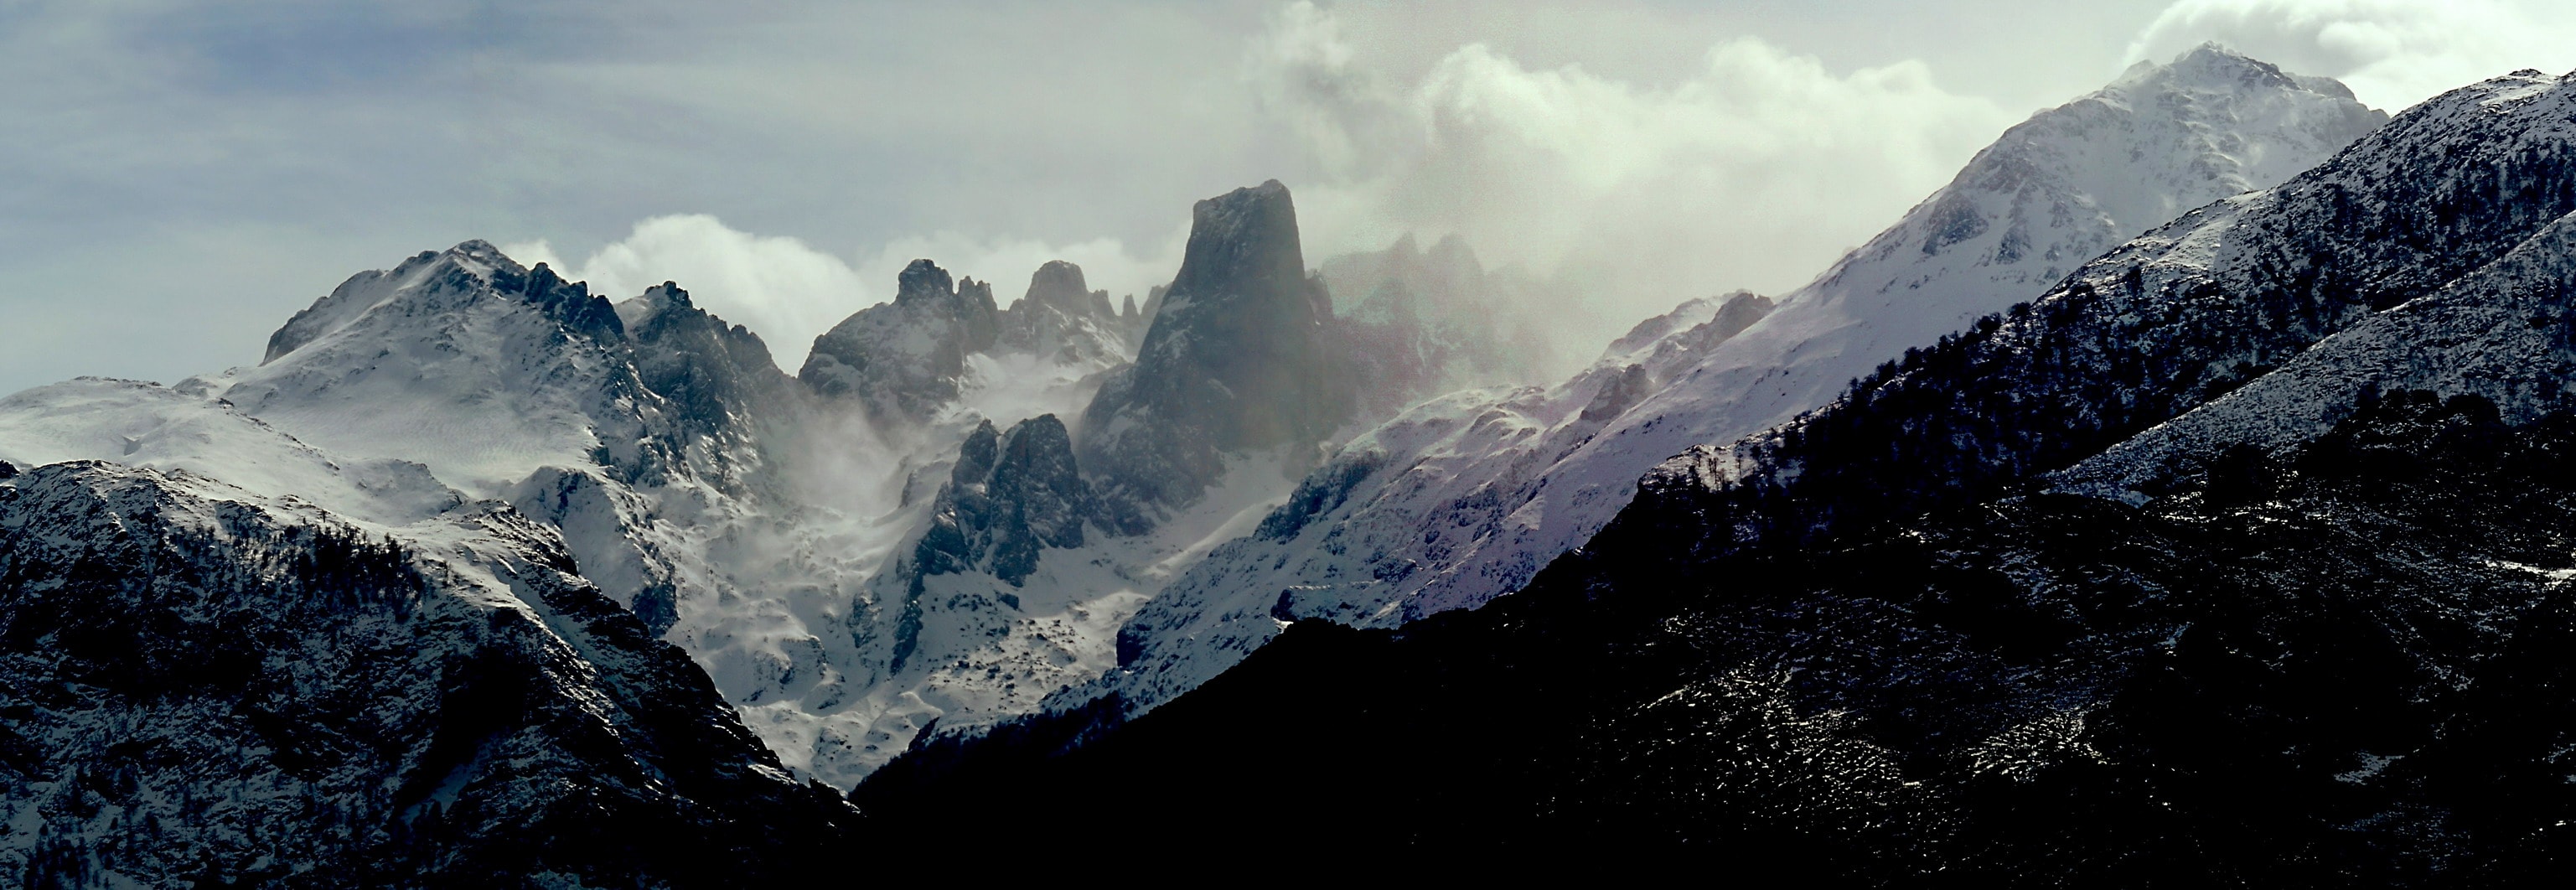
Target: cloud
790	292
2393	53
1756	169
980	135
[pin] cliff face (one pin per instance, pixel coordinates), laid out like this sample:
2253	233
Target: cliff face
1242	355
719	379
1010	495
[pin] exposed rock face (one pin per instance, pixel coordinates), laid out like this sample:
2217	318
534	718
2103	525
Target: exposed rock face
1059	320
719	379
907	358
1666	334
476	366
468	266
509	383
1619	393
1009	496
1243	354
1153	306
203	685
464	266
608	529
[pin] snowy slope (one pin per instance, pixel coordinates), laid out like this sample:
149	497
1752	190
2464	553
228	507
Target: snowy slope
1871	637
467	363
187	430
1044	538
1465	497
2501	332
212	683
735	511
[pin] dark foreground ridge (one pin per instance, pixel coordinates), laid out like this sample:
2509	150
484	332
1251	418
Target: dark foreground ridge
207	691
2342	663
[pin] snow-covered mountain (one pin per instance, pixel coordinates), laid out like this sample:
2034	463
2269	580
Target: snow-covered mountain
325	671
1466	496
1047	534
941	344
897	537
2236	558
959	513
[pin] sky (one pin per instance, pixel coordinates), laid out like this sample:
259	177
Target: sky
176	179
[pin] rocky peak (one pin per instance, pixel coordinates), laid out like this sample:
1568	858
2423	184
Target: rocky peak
1243	355
642	309
569	302
469	268
1062	320
1058	285
1243	246
904	359
1152	307
718	378
467	339
2213	66
923	280
1010	495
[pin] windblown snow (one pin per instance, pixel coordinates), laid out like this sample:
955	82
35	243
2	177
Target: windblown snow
1465	497
769	525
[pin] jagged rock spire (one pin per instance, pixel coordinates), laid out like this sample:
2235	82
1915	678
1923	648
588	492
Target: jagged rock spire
1243	355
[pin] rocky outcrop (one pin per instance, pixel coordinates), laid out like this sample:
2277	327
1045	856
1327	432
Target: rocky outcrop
466	266
1010	495
719	379
1243	354
1061	321
906	359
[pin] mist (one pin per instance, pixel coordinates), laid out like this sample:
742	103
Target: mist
1616	199
187	177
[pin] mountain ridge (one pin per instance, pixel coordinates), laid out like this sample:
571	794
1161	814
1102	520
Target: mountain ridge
1468	495
1873	646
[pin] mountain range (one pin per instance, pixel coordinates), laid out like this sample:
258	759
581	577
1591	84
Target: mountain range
2235	558
2175	497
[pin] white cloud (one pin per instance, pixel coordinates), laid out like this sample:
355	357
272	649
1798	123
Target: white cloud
1757	169
2393	53
790	292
